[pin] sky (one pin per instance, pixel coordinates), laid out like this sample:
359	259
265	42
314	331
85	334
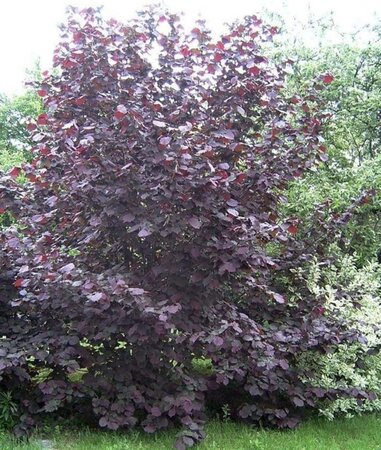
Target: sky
28	28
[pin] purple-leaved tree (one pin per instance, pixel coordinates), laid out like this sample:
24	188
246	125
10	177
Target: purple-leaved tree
146	233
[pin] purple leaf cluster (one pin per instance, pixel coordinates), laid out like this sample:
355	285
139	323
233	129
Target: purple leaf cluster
143	231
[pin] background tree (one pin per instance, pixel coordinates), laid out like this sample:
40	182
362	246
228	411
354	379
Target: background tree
352	135
15	112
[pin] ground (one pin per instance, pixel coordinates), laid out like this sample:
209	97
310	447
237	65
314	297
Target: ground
359	433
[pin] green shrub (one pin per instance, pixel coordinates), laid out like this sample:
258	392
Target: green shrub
8	410
352	294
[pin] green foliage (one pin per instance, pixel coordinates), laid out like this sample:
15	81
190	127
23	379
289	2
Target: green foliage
8	410
15	142
77	376
353	133
10	158
339	188
203	366
354	96
353	294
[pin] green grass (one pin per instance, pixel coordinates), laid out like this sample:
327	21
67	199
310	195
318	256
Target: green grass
359	433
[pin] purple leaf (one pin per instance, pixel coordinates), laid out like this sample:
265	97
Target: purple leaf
144	232
233	212
195	222
136	291
279	298
241	111
96	296
159	124
67	268
164	141
218	341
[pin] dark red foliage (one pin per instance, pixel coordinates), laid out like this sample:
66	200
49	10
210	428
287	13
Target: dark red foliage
327	78
144	228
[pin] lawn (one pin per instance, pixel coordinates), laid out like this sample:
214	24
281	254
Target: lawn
359	433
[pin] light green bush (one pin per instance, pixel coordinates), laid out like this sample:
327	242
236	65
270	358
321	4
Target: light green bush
353	294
